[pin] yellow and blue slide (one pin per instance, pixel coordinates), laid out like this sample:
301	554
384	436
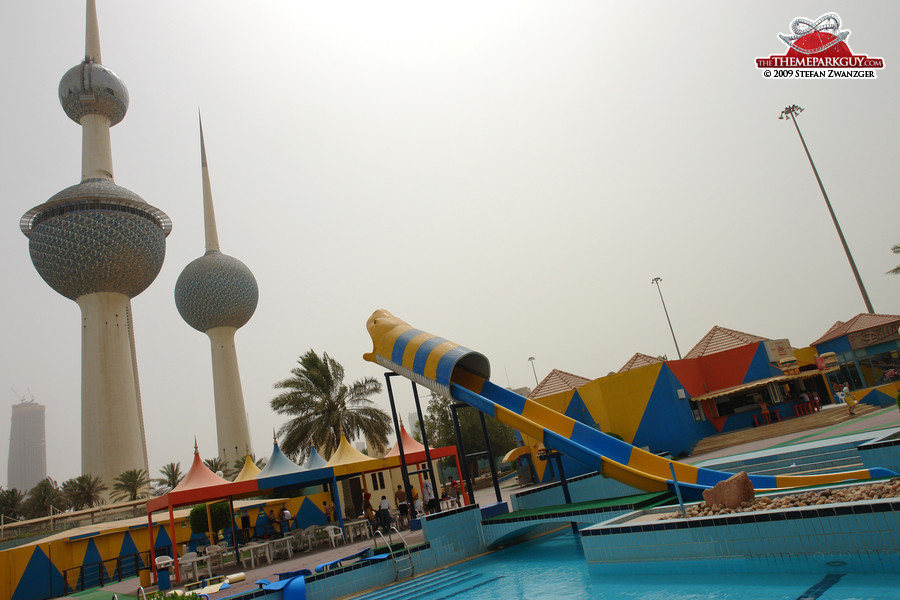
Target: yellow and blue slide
464	375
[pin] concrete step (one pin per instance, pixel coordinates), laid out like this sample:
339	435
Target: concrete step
422	585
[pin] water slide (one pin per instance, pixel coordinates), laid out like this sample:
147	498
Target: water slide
464	375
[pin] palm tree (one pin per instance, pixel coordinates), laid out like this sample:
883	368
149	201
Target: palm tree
324	408
43	498
238	464
896	250
130	485
216	464
84	491
171	476
11	503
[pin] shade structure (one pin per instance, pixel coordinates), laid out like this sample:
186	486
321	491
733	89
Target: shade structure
201	485
278	465
198	486
249	470
414	451
347	460
315	460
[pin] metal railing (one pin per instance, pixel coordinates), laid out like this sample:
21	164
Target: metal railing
98	574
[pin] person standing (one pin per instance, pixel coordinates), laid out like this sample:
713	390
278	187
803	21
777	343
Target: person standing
285	520
428	495
454	492
384	514
402	506
850	399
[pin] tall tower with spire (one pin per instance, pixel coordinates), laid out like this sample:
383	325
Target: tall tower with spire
100	245
217	294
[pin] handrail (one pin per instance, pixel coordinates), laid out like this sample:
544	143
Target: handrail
408	556
400	535
388	544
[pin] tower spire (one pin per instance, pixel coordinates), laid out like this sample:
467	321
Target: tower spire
95	98
209	213
92	34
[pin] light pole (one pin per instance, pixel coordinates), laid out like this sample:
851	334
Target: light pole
655	281
531	360
791	113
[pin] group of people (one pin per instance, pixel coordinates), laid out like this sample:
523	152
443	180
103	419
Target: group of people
283	520
812	398
380	518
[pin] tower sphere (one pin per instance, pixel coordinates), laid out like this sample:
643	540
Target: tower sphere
96	236
91	88
216	290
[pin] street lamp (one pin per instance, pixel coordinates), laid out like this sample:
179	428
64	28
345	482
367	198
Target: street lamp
655	281
791	113
531	360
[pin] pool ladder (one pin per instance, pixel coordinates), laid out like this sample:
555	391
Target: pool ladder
402	564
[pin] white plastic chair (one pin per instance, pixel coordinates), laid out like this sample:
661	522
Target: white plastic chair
334	533
215	554
309	534
187	563
229	556
164	562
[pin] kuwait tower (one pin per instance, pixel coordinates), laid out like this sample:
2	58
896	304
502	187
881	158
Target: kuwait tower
217	294
100	245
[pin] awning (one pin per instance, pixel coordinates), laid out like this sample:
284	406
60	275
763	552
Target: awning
750	385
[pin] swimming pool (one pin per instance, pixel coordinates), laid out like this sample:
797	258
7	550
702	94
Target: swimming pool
553	568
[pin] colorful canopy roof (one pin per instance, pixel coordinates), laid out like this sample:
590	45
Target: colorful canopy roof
347	460
410	445
249	471
414	452
315	460
278	465
200	485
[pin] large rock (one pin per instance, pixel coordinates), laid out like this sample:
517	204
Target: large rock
731	492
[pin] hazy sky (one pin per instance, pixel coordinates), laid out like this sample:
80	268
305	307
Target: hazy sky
508	175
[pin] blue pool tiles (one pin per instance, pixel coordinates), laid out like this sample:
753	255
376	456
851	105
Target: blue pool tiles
860	537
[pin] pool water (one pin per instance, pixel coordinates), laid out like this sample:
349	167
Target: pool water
554	568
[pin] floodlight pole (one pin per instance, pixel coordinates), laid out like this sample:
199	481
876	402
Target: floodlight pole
791	113
655	281
533	370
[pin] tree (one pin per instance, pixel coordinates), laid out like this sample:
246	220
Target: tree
171	476
439	426
896	250
11	501
238	465
324	408
43	498
130	485
219	514
84	491
216	464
